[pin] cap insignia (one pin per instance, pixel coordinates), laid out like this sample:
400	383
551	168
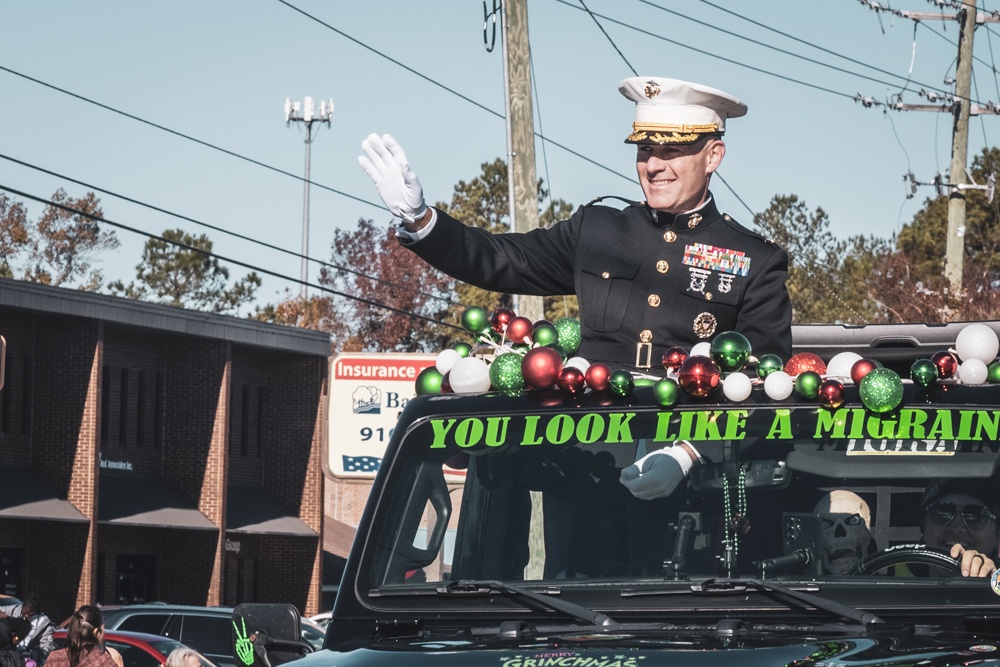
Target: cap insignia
651	90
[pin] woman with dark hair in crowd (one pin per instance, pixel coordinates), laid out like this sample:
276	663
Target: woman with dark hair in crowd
84	642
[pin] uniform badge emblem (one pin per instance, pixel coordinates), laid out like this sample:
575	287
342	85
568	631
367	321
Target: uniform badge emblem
651	90
694	221
699	279
704	325
725	283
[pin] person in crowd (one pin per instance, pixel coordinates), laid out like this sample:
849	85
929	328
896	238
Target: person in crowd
960	515
9	655
84	642
183	657
38	643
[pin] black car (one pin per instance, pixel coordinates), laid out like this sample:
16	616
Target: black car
817	528
205	629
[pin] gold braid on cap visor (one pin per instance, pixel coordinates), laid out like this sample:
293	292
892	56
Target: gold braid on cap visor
670	134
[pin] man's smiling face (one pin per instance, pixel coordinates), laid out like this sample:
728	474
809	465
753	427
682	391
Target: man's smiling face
675	178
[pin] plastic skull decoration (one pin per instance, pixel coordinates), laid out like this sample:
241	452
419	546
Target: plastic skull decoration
846	521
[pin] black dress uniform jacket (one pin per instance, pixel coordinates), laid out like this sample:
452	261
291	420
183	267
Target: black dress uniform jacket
645	280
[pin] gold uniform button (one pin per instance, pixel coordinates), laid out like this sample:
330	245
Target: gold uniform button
662	266
605	275
654	300
708	296
670	236
645	335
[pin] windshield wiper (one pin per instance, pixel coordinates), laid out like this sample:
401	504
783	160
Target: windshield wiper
724	586
489	586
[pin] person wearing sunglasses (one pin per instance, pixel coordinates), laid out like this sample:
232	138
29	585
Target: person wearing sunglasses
961	516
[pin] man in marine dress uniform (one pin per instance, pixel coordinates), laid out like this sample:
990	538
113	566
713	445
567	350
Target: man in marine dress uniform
668	271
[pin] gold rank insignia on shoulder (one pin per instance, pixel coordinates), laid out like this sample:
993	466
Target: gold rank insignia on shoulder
694	221
704	325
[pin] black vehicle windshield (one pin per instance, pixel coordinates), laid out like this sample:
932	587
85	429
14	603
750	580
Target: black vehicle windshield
783	491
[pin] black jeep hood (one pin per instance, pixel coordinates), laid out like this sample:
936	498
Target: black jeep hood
644	649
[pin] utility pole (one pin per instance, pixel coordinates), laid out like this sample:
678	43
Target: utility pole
308	117
521	178
955	249
961	108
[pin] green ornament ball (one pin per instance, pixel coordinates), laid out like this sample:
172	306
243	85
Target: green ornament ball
545	334
665	392
621	383
993	373
923	372
807	384
730	351
767	364
463	349
475	319
881	390
568	329
560	349
428	381
520	348
505	372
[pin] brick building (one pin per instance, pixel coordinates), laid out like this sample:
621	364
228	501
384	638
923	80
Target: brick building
154	453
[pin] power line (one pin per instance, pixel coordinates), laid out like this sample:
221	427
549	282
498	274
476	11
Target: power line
712	54
223	258
236	235
184	136
601	28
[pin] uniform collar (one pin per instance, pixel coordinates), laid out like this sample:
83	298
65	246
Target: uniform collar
702	215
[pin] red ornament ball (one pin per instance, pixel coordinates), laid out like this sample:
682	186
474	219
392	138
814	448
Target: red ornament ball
805	361
598	376
946	362
500	318
446	384
699	376
541	367
674	357
572	381
831	394
861	368
518	329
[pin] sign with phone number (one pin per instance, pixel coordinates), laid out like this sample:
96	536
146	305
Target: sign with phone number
367	395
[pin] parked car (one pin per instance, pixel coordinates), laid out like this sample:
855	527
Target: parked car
322	619
509	529
205	629
138	649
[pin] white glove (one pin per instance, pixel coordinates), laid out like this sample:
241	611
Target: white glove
397	185
656	474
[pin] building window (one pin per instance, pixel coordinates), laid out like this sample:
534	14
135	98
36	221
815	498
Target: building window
123	408
28	377
245	420
140	410
158	412
106	405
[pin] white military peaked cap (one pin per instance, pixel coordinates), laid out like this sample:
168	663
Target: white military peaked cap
670	111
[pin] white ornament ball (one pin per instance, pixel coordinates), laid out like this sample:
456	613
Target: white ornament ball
446	359
977	341
778	385
469	375
840	365
702	349
973	371
577	362
737	387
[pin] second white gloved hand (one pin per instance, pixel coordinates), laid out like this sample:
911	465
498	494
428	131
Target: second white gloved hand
385	163
656	474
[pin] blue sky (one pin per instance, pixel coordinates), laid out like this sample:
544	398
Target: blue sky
219	72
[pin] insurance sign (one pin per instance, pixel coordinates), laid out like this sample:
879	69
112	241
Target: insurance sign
367	395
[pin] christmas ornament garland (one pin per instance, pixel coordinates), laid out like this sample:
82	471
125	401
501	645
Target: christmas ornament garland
511	354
